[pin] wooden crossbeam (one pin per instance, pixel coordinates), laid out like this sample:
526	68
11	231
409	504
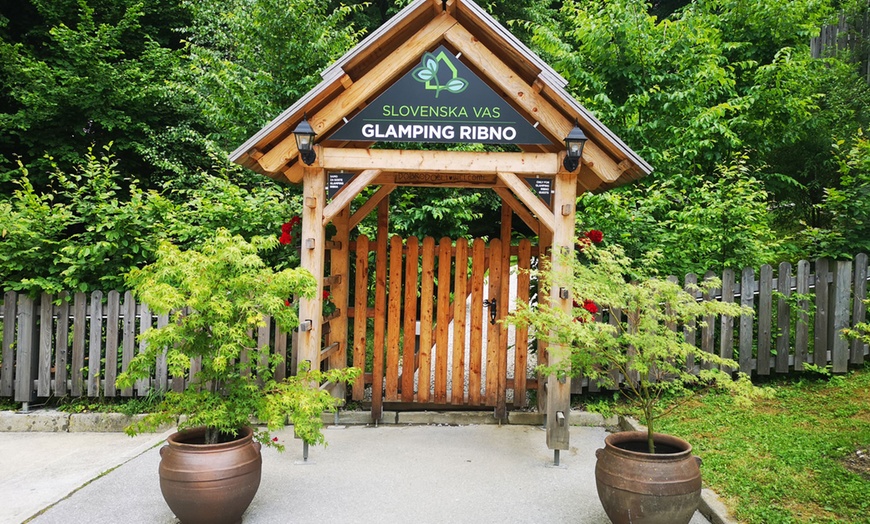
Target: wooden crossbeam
523	192
348	193
468	162
518	208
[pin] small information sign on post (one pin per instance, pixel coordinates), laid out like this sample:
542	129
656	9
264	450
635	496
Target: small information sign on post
336	181
543	187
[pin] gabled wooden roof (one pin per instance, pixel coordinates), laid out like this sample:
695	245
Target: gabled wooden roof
500	59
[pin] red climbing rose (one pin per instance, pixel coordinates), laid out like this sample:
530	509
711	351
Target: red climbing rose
595	236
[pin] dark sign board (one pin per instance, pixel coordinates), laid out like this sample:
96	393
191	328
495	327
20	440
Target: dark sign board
543	187
336	181
440	101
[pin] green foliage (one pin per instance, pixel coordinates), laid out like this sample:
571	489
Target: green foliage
647	347
780	460
716	224
217	297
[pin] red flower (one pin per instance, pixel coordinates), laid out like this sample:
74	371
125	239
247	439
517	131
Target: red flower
295	220
325	294
286	238
286	227
595	236
590	306
287	302
274	439
582	243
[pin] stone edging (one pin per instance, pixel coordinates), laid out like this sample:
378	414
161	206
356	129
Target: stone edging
711	506
61	422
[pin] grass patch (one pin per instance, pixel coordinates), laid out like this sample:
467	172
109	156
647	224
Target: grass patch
795	457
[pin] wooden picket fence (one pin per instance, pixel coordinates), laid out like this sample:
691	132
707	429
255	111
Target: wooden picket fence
854	37
76	346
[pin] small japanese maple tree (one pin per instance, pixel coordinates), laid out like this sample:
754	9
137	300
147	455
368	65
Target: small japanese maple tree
217	297
644	344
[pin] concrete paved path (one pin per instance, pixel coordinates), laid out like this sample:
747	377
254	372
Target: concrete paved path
421	474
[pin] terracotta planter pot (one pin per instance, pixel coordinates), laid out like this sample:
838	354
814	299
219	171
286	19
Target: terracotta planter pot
637	487
209	483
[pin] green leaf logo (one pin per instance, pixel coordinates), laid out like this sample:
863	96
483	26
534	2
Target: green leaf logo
427	74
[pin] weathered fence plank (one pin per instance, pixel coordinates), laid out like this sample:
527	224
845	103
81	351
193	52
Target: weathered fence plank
708	330
765	318
160	371
726	323
25	356
859	308
820	332
128	337
61	350
95	344
690	332
77	366
783	317
46	325
802	325
112	322
442	324
747	298
841	294
10	303
145	322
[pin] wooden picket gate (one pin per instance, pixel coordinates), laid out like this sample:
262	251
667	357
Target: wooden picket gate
443	301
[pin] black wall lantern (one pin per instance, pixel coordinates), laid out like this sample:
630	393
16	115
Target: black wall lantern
574	143
305	141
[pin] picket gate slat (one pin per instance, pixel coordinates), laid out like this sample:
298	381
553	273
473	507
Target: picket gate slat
379	335
460	286
409	355
521	355
360	314
475	346
783	317
427	301
61	341
394	312
493	342
442	323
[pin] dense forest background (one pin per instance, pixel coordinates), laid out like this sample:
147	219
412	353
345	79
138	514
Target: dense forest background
116	118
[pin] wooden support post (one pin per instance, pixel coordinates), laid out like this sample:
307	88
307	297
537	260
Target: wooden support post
559	391
311	309
339	264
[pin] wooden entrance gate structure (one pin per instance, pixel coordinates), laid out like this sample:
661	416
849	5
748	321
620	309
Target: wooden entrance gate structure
439	71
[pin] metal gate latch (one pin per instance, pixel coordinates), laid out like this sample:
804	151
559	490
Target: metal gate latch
493	309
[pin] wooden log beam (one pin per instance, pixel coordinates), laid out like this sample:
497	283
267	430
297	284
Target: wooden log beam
518	208
529	99
348	193
441	161
360	91
369	206
530	199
